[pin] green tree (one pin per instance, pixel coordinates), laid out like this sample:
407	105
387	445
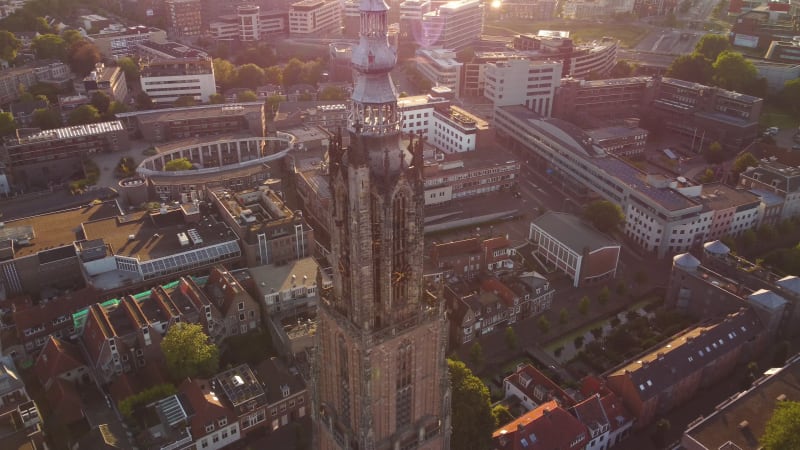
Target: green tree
113	109
780	354
224	72
7	124
662	428
333	93
185	100
178	164
694	67
544	324
83	114
143	101
623	69
604	215
714	153
42	26
49	46
45	118
640	277
743	161
292	72
247	96
711	45
605	293
583	305
501	415
708	176
790	95
476	353
9	45
733	72
189	352
249	76
766	232
783	428
563	316
312	71
101	101
71	36
128	405
511	338
621	289
748	238
131	69
472	419
216	99
273	75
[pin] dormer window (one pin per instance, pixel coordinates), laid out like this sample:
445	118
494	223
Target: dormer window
209	428
222	422
285	390
241	306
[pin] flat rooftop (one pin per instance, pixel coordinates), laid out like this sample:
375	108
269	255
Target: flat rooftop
571	231
194	112
75	131
742	419
601	134
59	228
416	101
200	140
307	133
719	196
272	278
151	236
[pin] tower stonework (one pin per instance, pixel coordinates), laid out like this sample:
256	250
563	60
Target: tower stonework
380	374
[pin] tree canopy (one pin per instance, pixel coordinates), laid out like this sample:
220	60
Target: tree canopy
216	99
604	215
7	124
185	100
333	93
189	352
71	36
743	161
178	164
714	153
224	72
82	57
249	76
790	95
694	67
101	101
473	421
45	118
49	46
783	428
83	114
733	72
131	69
711	45
143	101
247	96
9	45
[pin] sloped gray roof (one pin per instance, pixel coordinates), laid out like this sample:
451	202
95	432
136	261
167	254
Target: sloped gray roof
686	260
571	231
716	247
767	298
790	282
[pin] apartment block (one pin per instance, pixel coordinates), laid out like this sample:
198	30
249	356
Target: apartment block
457	131
270	232
673	373
315	17
185	17
580	101
58	153
171	71
44	72
579	59
778	185
528	9
108	80
124	43
454	25
249	24
628	141
418	113
523	82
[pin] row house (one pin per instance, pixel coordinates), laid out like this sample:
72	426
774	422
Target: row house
471	257
773	180
475	311
603	413
61	370
123	335
662	379
20	422
532	388
211	414
547	427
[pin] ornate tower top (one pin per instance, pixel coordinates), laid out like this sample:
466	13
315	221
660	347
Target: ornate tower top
374	96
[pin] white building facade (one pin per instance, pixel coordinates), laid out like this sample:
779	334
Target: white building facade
523	82
309	17
440	67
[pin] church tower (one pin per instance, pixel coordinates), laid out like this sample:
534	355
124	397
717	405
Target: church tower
380	375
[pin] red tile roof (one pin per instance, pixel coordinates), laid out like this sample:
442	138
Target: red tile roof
498	287
66	403
545	428
618	415
536	378
591	413
57	357
206	405
457	248
30	316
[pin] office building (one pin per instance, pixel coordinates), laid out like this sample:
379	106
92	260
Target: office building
523	82
378	305
785	51
411	14
627	141
440	67
170	71
58	153
663	215
455	177
528	9
579	60
456	131
164	125
108	80
759	27
185	17
778	183
51	72
454	25
315	18
124	43
249	24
